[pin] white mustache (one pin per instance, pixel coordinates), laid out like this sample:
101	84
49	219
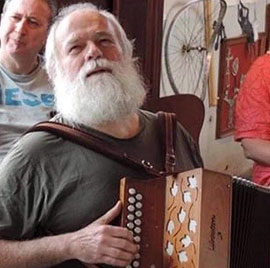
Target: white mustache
94	66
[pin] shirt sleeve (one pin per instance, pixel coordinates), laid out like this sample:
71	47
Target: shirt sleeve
252	112
19	200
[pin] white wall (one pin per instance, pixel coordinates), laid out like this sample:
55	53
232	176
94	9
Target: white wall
224	154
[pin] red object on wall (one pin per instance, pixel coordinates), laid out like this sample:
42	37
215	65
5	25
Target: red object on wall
236	56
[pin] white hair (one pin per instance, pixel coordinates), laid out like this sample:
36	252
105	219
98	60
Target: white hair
51	51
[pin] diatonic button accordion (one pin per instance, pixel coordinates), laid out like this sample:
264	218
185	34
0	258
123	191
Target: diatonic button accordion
197	219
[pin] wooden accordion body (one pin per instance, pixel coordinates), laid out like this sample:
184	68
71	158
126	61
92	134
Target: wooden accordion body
198	219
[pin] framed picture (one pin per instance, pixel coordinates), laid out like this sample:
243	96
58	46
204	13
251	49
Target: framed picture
236	56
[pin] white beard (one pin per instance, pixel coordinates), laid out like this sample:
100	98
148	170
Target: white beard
102	97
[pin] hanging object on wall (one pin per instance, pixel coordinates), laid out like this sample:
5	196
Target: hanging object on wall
220	36
245	24
235	61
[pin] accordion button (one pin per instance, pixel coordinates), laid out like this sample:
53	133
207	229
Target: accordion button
131	200
130	217
130	225
137	239
131	191
131	208
139	197
137	256
138	205
136	264
138	213
129	266
137	230
138	222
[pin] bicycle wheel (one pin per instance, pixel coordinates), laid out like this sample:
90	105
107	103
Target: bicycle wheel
187	52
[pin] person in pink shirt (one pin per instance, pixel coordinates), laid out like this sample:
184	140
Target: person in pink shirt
252	118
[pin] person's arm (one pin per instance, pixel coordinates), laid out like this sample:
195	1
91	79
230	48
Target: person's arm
44	252
256	149
96	243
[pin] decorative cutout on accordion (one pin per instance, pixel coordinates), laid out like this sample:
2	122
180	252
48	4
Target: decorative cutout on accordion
170	227
192	180
174	189
182	215
192	226
181	220
182	255
169	248
187	197
186	241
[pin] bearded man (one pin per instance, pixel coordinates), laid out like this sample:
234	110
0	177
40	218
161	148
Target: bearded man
58	198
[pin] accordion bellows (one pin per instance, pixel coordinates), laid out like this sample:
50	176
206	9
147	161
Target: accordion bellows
197	219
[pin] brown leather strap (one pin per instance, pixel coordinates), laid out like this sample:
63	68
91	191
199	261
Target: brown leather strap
94	143
170	131
170	120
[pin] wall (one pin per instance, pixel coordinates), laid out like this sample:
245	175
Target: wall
223	154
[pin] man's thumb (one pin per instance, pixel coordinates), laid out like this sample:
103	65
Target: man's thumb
110	215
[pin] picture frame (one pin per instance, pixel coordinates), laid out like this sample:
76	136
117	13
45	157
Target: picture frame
236	56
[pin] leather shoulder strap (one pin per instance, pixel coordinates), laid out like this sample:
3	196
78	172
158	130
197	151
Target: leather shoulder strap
169	119
94	143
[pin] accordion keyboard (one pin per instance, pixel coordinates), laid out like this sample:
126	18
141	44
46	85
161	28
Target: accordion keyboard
134	220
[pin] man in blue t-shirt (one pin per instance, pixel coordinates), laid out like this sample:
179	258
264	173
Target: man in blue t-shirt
25	93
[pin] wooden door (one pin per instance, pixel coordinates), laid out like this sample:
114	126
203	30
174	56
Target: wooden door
142	20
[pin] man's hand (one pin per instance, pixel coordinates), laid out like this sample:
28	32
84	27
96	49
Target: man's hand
102	243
